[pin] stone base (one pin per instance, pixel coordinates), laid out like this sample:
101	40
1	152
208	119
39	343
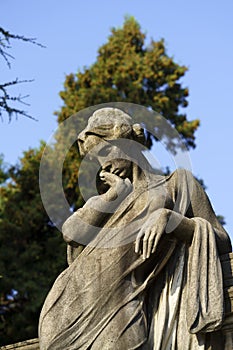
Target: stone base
32	344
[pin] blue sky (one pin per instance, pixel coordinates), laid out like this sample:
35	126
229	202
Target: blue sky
197	34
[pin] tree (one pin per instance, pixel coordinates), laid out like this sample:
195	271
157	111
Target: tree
8	103
126	70
32	251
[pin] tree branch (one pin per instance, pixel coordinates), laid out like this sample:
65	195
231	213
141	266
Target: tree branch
5	44
5	100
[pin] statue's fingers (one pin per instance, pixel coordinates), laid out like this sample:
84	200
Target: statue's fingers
156	240
138	241
145	243
151	242
109	178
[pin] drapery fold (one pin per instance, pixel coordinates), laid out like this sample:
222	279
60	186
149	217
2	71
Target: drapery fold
205	302
176	306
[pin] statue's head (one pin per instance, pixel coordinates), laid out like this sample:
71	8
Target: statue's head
112	139
108	124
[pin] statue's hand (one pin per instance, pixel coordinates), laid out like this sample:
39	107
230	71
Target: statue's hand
151	232
118	188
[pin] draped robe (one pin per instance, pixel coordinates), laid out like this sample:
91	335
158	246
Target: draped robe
110	298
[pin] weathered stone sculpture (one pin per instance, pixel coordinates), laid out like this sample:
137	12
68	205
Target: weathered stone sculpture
144	256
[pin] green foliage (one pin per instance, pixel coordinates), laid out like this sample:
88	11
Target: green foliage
32	250
126	70
3	170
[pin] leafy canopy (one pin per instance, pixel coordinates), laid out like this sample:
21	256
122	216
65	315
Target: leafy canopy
126	70
32	252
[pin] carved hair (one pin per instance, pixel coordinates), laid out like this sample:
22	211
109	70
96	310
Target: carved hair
110	124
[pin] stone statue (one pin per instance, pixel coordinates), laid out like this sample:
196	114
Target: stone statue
144	255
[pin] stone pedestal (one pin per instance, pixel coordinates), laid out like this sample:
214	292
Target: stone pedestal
32	344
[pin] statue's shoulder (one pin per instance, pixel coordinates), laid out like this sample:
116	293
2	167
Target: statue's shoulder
180	172
180	176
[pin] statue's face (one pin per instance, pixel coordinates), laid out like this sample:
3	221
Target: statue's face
119	167
112	159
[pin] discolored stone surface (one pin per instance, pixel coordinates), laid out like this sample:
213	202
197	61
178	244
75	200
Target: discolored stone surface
150	266
32	344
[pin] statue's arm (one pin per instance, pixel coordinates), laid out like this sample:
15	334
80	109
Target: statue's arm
180	224
80	226
179	227
83	226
